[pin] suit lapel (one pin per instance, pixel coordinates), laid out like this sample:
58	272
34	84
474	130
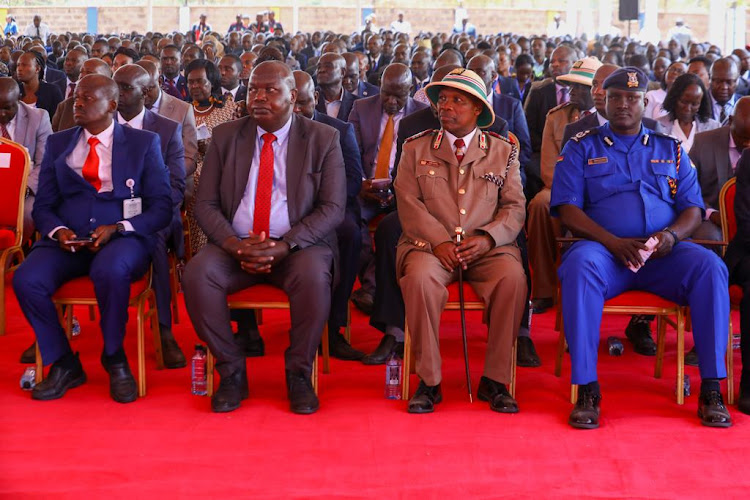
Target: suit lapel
61	162
120	160
473	151
295	163
22	128
321	106
445	152
244	148
721	158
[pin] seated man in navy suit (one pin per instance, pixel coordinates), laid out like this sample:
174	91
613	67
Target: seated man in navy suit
133	82
106	182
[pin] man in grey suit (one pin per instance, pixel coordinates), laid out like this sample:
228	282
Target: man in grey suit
29	127
182	112
63	119
376	120
272	192
715	154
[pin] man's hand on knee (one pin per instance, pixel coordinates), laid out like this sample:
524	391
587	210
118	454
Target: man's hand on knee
473	248
446	254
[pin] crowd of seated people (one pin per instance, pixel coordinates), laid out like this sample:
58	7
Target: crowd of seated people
340	167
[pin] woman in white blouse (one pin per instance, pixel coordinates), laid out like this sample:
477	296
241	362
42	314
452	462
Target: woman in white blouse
656	97
689	110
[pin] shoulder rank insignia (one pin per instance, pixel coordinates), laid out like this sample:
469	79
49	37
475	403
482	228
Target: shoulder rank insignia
421	134
511	139
559	107
438	139
659	134
585	133
645	139
608	141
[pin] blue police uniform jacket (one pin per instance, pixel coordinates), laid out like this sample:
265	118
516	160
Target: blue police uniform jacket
630	191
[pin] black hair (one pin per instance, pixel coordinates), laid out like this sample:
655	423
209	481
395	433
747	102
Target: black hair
523	59
679	87
127	52
703	60
212	74
235	60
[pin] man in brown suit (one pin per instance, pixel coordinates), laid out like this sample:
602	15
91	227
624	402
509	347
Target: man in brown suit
460	179
272	192
541	227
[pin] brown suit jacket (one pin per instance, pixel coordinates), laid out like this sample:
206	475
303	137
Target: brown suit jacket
182	112
554	130
316	181
430	203
63	119
710	155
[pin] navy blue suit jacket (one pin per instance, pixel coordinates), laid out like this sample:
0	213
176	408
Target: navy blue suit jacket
507	86
510	110
347	101
53	75
352	159
65	198
180	90
367	89
48	96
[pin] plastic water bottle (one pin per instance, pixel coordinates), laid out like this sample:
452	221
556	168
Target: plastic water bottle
685	386
615	346
28	379
198	370
393	377
531	313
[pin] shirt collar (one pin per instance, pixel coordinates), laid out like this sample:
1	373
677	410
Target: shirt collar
224	90
467	138
281	135
731	140
105	137
157	103
135	122
339	98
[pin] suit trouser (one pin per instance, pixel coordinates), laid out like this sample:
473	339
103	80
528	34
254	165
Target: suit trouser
741	276
350	244
690	275
388	303
112	270
305	276
497	279
367	275
160	280
28	221
542	246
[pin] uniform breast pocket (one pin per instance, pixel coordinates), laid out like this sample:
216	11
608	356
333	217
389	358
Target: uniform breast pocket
599	180
489	183
432	180
666	180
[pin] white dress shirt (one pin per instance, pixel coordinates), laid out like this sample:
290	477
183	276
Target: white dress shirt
32	31
279	224
677	133
11	128
157	104
467	139
136	122
383	121
333	107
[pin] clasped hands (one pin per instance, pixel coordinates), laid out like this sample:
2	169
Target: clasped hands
257	254
66	238
376	192
465	253
627	250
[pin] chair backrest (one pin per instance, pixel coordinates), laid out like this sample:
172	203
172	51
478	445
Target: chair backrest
726	210
15	164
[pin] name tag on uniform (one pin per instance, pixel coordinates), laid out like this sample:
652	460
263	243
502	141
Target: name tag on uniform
662	161
429	162
132	207
597	161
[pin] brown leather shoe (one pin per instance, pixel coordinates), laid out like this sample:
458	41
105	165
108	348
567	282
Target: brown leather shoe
497	395
585	414
712	412
425	398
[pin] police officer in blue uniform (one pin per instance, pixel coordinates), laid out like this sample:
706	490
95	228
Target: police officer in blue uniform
615	186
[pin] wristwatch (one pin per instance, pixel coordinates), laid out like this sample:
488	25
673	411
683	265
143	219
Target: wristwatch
674	235
293	247
121	228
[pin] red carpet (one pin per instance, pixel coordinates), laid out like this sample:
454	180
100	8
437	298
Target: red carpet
359	444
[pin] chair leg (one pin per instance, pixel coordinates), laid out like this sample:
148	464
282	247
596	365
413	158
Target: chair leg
259	316
69	321
153	313
406	366
513	370
573	393
560	353
92	313
315	374
209	374
39	365
141	307
661	334
730	366
326	350
348	331
174	288
680	355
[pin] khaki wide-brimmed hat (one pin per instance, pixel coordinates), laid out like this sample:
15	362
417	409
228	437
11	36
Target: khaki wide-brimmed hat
466	81
582	71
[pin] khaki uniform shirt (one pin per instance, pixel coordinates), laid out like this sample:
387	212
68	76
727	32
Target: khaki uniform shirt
554	130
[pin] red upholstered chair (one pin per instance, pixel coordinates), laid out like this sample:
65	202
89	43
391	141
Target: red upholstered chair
80	291
728	231
15	165
472	302
260	297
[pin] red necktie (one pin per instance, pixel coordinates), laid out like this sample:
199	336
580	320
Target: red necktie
91	165
262	213
72	89
4	130
460	151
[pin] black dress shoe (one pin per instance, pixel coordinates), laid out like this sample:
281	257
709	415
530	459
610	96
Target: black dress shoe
712	412
339	348
122	385
385	348
425	398
29	355
639	334
59	379
251	344
232	390
302	398
526	355
541	305
497	395
691	357
173	357
363	300
743	404
585	414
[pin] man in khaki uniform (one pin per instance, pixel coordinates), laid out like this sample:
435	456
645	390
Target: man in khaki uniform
542	229
461	179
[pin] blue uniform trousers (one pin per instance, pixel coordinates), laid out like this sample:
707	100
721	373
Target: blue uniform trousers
690	275
119	262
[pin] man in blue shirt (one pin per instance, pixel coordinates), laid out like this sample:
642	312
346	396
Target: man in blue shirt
615	186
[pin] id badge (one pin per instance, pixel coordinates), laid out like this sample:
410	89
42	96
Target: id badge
132	207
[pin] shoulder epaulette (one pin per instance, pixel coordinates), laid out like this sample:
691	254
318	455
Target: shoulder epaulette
666	136
585	133
498	136
421	134
559	107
